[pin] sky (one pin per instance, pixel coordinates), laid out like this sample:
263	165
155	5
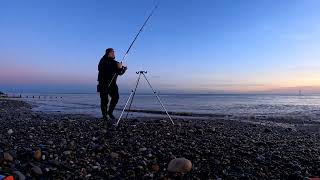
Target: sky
187	46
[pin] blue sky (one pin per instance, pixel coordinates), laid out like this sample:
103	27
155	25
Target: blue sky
188	46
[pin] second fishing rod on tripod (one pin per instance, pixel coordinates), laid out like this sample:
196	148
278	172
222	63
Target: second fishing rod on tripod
134	40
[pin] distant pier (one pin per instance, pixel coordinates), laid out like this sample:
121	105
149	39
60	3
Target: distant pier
41	97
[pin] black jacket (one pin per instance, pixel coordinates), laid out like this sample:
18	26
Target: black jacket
107	68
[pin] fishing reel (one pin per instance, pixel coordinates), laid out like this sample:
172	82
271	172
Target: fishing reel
124	68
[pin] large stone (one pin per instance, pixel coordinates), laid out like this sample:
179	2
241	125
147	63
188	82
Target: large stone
142	149
20	175
154	168
37	155
10	131
7	157
67	153
36	171
180	165
114	155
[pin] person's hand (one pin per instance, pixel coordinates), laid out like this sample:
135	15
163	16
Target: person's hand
119	65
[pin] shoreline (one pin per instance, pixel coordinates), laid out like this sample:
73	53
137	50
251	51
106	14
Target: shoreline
81	146
280	120
275	118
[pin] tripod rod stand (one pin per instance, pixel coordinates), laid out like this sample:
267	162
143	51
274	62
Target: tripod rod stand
133	92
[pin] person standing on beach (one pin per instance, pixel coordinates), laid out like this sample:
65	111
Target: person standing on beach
109	69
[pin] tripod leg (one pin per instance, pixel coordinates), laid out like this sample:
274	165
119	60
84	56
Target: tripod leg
124	108
134	92
154	92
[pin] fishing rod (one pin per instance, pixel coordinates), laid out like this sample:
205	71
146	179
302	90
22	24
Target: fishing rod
135	38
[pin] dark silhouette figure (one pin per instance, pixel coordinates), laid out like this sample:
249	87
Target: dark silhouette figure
108	69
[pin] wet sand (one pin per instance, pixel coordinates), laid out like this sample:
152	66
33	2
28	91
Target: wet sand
61	146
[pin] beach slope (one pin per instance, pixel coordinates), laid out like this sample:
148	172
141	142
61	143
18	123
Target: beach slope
61	146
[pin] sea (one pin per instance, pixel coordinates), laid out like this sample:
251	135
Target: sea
198	104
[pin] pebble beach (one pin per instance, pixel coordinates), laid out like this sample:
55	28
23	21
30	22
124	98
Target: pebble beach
36	145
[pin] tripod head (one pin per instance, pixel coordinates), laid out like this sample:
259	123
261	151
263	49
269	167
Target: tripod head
141	72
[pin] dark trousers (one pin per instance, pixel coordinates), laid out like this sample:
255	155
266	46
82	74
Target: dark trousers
104	97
